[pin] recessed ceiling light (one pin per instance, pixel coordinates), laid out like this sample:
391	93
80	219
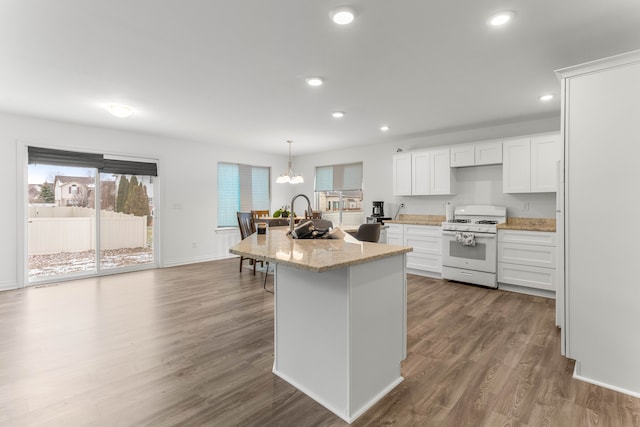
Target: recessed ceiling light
384	128
119	110
546	97
314	81
501	18
338	114
342	15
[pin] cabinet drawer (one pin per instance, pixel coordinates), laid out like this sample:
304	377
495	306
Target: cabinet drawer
432	245
422	230
395	229
529	276
534	255
424	262
527	237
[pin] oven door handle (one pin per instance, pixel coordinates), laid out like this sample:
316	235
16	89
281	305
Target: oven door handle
478	235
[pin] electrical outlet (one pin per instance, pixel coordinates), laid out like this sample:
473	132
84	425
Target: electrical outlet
525	206
402	205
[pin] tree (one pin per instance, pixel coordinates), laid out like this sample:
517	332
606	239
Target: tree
123	193
137	201
46	193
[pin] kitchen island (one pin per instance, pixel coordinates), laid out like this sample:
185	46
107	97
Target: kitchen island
339	316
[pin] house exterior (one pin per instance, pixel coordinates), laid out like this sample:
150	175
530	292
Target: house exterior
74	191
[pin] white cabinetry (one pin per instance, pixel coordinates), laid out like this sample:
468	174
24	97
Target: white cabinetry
463	155
423	173
601	131
488	153
527	259
395	234
426	241
478	154
530	164
402	174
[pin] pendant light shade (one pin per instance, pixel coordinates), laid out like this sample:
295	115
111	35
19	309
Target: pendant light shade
288	176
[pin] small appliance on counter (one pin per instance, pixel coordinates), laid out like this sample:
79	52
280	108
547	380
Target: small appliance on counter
378	214
449	212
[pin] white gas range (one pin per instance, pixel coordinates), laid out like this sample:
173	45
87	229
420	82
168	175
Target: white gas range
470	248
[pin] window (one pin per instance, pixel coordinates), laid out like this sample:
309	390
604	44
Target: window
241	188
338	193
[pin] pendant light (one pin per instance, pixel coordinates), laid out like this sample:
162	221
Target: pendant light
288	175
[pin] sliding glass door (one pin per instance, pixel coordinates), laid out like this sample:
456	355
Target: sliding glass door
83	221
126	221
62	221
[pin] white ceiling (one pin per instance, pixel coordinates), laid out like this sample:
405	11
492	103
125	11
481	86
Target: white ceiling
232	72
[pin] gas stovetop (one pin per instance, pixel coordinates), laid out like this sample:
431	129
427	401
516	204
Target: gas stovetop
476	218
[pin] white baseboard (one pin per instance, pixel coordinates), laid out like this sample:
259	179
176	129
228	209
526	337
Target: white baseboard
423	273
194	260
601	384
527	291
7	286
341	413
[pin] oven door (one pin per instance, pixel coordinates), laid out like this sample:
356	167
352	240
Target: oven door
481	257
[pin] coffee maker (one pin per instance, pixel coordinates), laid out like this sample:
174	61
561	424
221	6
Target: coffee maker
378	213
378	209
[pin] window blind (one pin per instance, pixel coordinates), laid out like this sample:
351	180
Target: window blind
48	156
241	188
339	177
126	167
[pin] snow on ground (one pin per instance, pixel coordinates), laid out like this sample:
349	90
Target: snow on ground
74	262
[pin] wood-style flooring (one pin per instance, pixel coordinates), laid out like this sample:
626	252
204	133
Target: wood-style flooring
193	346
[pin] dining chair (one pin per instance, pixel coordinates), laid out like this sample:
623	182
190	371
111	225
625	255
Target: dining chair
247	228
369	232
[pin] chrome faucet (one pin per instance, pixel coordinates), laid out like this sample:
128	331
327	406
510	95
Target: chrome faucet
291	216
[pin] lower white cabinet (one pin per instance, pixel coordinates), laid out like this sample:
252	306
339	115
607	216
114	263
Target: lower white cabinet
395	234
527	259
426	241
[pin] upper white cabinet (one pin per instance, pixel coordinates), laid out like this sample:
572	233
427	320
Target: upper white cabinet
442	180
402	174
464	155
478	154
488	153
423	173
545	154
529	164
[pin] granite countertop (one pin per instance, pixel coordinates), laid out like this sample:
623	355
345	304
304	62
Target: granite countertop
418	219
315	255
529	224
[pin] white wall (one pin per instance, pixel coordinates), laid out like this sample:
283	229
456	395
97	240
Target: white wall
186	187
480	185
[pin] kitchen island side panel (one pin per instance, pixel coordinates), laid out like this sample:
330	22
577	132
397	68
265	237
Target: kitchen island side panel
340	334
311	333
378	322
